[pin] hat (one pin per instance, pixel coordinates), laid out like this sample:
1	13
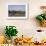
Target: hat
42	7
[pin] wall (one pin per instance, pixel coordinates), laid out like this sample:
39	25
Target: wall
25	27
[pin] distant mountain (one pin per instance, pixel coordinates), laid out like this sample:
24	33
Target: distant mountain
22	12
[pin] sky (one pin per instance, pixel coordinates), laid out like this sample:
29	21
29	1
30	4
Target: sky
16	7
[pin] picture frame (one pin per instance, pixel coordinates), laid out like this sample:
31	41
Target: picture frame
17	10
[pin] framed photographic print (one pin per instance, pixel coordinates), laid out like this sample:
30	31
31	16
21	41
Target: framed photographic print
17	10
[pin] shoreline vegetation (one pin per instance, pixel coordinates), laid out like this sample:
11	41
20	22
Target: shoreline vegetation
16	13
